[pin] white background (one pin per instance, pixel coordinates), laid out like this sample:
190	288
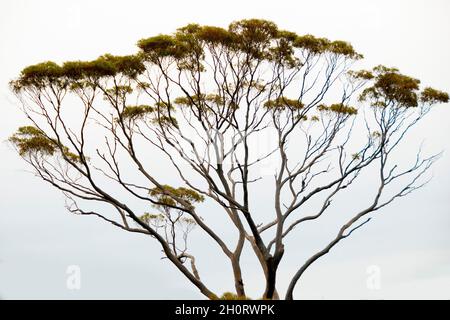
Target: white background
408	241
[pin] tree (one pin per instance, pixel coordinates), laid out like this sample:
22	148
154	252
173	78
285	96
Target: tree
205	97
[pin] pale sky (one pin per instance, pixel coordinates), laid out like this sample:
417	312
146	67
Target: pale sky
408	242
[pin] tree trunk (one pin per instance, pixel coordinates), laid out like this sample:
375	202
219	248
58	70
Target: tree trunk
238	282
270	279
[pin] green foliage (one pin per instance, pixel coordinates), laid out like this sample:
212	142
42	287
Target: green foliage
157	115
77	73
391	86
254	30
215	35
161	46
361	74
339	108
159	218
322	45
78	70
283	103
70	155
148	217
30	140
187	37
253	35
165	121
260	39
129	65
184	46
343	48
120	91
431	96
205	102
286	35
311	43
215	99
376	134
45	70
283	52
106	65
188	101
39	75
166	195
199	100
191	28
134	112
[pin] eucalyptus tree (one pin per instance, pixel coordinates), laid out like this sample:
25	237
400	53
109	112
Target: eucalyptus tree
230	109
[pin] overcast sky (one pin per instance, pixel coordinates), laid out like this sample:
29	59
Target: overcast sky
408	242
